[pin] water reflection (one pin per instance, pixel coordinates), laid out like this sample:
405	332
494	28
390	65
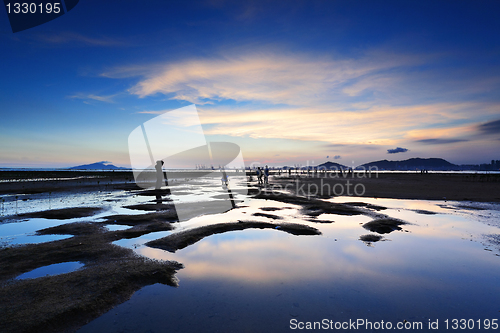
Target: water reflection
24	232
257	280
269	256
15	231
55	269
116	227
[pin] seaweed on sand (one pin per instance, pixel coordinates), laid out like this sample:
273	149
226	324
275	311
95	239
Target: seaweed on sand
494	240
384	225
180	240
67	301
153	192
270	216
131	220
424	212
88	228
366	205
64	213
270	209
151	207
370	238
188	210
311	206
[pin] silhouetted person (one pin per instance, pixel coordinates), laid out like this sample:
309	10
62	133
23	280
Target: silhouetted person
160	180
266	175
224	179
259	175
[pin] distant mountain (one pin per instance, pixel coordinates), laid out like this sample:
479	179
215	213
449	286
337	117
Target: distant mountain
332	166
104	165
413	164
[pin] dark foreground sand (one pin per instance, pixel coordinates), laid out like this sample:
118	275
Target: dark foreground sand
112	273
65	302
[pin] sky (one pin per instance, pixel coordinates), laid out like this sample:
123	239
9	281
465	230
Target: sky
290	82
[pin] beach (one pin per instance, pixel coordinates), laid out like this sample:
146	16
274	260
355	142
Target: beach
249	166
297	246
430	186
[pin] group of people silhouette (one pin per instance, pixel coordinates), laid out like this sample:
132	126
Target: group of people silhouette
263	173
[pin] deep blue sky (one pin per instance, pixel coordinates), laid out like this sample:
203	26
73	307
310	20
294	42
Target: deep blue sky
289	81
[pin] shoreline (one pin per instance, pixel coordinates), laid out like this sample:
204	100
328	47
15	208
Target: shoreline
430	186
455	187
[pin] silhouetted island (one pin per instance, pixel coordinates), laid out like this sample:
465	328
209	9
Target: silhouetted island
413	164
103	165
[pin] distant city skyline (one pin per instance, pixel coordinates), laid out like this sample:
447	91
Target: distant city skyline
289	82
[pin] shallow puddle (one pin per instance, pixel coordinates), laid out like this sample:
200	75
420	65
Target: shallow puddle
23	232
55	269
116	227
16	231
435	268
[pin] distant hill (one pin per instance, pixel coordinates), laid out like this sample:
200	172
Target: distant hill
332	166
413	164
104	165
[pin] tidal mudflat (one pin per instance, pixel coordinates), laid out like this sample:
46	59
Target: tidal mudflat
273	261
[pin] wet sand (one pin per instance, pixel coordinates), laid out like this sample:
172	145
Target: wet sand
67	301
32	182
183	239
112	273
431	186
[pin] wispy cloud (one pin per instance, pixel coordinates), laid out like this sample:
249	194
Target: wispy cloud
86	97
121	72
379	99
67	37
491	127
265	77
377	125
440	141
446	131
152	112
